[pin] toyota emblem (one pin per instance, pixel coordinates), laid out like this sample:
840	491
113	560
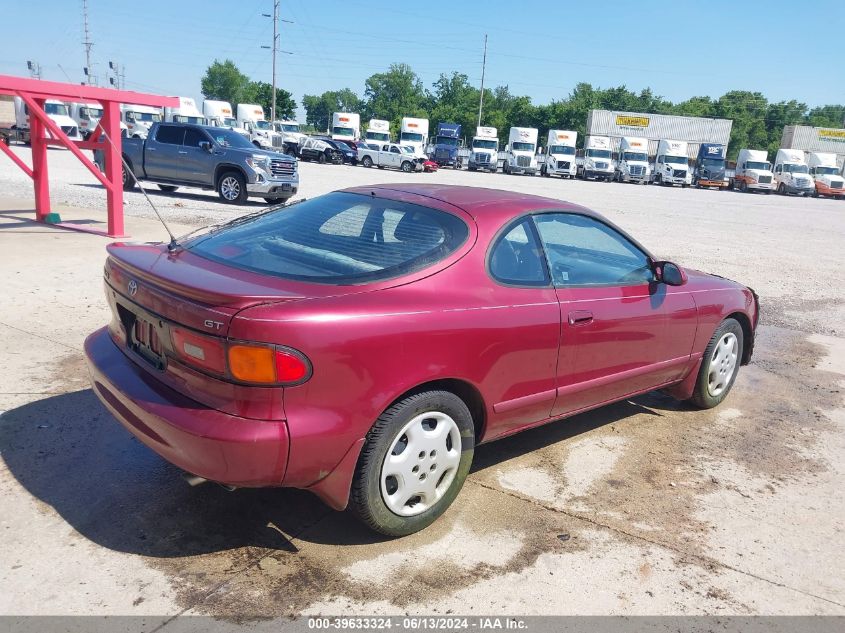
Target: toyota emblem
132	287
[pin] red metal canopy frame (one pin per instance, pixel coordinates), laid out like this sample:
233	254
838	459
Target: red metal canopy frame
34	93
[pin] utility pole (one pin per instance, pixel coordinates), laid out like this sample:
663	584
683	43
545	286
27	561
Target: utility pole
119	79
89	70
275	49
483	68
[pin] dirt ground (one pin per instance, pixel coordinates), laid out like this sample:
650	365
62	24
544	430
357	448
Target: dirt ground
643	507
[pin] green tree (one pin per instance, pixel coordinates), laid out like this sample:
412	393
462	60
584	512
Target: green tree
261	92
454	100
223	81
394	94
319	109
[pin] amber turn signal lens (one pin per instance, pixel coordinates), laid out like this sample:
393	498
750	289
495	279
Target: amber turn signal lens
249	363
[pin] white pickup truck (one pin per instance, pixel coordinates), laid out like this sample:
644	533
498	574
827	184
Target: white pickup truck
401	157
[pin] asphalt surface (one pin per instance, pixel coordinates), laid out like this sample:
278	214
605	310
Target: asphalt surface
643	507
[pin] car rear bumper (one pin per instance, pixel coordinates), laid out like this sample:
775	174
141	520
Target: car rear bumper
200	440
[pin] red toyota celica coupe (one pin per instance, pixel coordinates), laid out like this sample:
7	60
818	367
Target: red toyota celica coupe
360	344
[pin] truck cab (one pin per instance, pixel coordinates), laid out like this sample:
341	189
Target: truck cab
378	132
709	168
754	171
346	127
792	174
447	141
485	149
292	137
186	113
414	133
825	174
598	159
521	151
632	165
671	167
560	154
57	111
86	116
139	119
259	130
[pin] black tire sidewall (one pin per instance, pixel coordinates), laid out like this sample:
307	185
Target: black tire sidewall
701	396
365	498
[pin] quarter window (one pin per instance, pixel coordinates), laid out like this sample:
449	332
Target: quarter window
516	257
585	252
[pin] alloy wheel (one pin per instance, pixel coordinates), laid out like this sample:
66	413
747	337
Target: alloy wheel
230	188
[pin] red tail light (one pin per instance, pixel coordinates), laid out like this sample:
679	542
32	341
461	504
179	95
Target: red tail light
240	361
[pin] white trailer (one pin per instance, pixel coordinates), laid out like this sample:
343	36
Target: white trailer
414	133
139	119
632	164
598	159
260	131
671	167
520	155
186	113
560	154
753	171
825	175
378	132
484	150
346	126
792	174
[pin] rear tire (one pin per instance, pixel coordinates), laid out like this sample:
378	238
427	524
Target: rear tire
782	189
321	159
428	440
128	180
232	188
719	365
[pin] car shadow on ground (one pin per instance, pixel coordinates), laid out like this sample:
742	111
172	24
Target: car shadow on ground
210	197
69	453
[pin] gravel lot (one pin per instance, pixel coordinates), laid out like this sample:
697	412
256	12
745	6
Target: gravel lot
644	507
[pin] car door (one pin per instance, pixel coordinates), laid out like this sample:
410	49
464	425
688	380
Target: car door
522	331
161	154
394	157
197	163
613	313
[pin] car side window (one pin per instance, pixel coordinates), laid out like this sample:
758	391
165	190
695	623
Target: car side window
170	134
394	150
194	137
582	251
516	259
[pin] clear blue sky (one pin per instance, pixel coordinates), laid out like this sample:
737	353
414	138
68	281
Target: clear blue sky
679	48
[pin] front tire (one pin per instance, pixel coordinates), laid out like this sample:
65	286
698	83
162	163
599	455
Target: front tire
321	159
406	167
719	365
413	463
232	188
367	162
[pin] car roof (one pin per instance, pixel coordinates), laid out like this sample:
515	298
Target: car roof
482	203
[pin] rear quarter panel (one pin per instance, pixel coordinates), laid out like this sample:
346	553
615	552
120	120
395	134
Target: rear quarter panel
133	150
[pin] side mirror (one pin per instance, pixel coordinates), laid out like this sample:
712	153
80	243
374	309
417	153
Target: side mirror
206	145
669	273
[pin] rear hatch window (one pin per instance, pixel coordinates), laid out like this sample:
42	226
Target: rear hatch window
339	238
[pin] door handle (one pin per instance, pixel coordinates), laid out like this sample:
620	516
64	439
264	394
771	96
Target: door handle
580	317
151	149
183	152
